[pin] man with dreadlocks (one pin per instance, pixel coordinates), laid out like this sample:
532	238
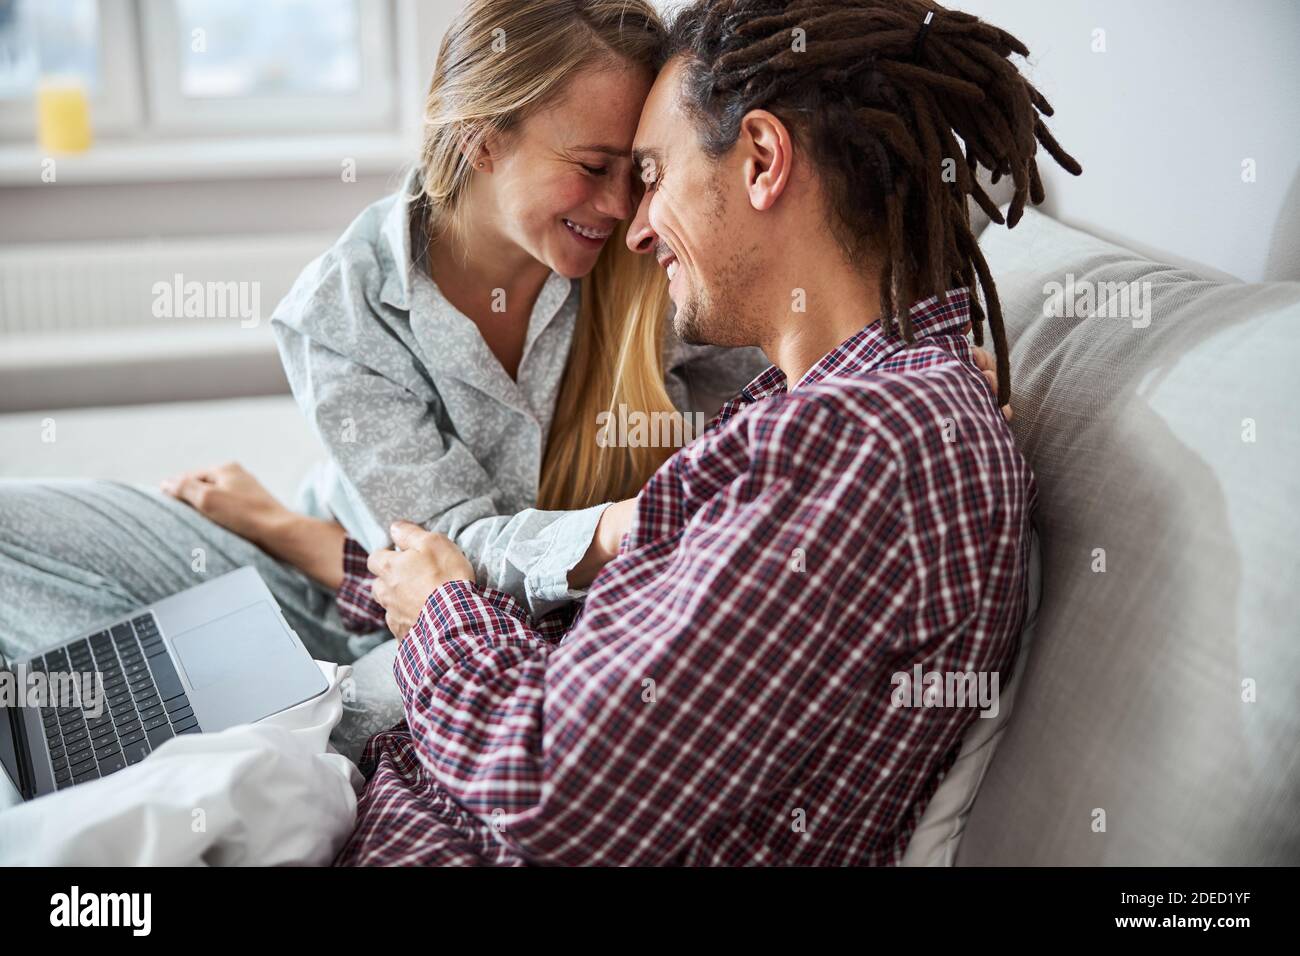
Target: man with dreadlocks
739	686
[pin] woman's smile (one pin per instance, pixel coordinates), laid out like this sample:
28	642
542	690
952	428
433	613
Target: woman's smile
588	236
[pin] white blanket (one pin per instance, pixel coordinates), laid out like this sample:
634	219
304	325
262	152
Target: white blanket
265	794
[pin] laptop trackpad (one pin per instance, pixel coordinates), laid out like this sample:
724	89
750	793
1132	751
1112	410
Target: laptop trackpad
245	666
235	646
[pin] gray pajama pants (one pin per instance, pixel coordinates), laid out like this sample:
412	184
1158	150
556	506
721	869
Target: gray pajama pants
74	554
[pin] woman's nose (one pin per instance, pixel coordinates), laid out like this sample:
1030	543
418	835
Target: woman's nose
616	199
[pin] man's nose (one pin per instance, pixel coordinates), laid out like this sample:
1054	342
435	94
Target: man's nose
641	236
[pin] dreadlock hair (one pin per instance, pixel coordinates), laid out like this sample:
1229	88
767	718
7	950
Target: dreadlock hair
896	113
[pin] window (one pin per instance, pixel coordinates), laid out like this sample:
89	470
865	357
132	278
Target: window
254	65
193	67
58	38
64	41
293	49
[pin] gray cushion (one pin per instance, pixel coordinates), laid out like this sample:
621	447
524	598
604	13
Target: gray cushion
1132	701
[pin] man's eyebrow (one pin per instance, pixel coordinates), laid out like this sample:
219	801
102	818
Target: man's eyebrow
640	156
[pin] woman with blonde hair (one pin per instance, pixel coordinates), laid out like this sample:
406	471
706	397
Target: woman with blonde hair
454	351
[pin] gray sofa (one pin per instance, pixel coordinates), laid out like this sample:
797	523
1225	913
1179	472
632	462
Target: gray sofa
1156	717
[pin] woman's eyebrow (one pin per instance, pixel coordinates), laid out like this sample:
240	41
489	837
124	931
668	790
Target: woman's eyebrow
607	150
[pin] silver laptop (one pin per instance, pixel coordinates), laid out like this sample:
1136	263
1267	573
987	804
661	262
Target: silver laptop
206	659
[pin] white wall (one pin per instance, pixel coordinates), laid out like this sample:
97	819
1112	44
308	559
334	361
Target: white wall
1161	122
218	207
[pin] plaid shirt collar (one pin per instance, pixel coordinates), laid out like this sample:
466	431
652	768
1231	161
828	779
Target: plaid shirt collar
862	351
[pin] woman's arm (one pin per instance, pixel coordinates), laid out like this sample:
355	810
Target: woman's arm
615	521
312	545
701	378
234	499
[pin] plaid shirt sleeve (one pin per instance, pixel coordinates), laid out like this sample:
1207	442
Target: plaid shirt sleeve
700	674
360	612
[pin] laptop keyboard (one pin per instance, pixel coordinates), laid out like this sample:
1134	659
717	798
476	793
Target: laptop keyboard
144	702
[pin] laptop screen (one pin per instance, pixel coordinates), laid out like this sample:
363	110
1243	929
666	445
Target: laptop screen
9	725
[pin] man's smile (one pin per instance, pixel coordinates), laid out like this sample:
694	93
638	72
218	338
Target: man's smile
667	259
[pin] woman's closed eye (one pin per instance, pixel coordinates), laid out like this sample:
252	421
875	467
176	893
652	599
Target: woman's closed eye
595	170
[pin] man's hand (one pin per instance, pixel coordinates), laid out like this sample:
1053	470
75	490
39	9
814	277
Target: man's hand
989	366
404	579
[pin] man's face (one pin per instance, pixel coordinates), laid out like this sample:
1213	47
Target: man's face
695	219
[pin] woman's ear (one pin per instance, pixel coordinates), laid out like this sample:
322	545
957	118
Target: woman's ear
768	157
478	150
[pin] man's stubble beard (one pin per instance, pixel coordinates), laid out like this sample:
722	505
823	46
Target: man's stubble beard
725	315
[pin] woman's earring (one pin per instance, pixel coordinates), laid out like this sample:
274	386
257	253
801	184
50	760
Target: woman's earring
481	164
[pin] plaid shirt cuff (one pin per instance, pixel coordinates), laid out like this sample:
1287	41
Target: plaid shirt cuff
360	612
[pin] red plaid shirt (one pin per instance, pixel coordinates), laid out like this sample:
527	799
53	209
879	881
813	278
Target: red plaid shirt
726	695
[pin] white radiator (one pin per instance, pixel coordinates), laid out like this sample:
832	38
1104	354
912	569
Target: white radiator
59	288
144	321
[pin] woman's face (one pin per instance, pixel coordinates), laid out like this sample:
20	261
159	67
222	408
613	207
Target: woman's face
559	184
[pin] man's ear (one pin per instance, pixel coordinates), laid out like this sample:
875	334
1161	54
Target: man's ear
768	155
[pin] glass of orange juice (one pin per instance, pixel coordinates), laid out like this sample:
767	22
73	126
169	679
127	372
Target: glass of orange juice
63	116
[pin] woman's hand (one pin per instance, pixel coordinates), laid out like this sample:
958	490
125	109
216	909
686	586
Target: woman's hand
614	524
231	497
234	499
404	579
